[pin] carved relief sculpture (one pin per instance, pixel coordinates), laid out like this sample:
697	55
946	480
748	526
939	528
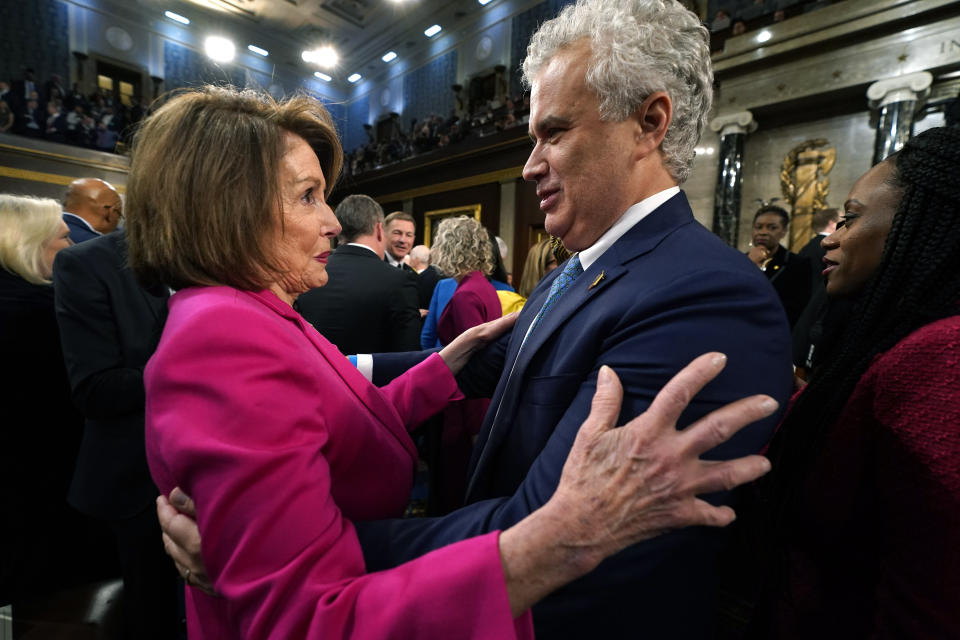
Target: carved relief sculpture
805	185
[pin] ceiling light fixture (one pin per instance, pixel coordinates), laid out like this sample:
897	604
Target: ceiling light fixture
484	2
432	31
764	35
354	78
322	76
257	50
219	49
389	56
176	17
324	56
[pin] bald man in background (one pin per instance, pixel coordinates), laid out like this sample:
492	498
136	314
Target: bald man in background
427	275
91	208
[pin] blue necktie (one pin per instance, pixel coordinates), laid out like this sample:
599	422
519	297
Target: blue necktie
562	282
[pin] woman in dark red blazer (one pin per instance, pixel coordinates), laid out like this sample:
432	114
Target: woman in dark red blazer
463	252
865	497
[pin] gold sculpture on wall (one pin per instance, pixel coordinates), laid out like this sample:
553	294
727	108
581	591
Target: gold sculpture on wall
805	185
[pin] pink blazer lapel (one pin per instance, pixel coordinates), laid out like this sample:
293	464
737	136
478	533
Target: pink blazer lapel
366	392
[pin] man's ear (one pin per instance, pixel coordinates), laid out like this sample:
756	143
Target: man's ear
652	119
378	230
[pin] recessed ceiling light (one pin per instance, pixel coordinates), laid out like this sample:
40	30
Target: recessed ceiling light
389	55
353	78
257	50
322	76
219	49
177	17
764	35
324	56
484	2
432	31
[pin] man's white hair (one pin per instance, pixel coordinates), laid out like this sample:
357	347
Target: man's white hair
638	47
421	254
502	246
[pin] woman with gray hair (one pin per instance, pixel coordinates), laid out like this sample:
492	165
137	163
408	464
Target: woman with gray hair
37	456
464	253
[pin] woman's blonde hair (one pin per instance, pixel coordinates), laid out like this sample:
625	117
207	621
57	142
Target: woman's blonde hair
204	185
462	246
26	225
535	267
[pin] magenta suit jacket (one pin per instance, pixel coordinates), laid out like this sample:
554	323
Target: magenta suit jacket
281	443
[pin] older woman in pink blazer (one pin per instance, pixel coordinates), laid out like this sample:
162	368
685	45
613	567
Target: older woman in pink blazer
282	443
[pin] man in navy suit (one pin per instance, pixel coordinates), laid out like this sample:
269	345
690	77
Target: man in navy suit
656	290
91	208
109	327
647	290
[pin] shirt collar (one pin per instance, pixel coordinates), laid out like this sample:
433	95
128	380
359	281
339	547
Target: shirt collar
82	221
630	217
357	244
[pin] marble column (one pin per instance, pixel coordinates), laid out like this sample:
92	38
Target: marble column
897	101
733	129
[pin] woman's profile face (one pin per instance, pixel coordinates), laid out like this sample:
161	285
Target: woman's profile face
59	240
302	243
855	249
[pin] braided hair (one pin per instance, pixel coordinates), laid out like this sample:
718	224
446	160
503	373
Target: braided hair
917	282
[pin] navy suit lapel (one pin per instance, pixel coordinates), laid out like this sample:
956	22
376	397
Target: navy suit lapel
639	240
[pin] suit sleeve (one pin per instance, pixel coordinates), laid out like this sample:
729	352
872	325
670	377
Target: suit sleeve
422	391
239	424
101	386
917	404
405	315
645	349
796	288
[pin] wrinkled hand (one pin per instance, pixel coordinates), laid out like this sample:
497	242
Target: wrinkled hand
622	486
181	538
758	255
457	353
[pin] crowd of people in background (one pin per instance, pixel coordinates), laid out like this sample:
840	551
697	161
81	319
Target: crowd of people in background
737	17
100	120
491	116
48	111
435	132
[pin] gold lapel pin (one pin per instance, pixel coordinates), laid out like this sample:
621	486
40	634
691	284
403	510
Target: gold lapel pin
597	281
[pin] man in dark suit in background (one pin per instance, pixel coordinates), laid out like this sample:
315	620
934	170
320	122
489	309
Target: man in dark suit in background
399	230
647	290
808	332
427	275
109	327
367	305
823	223
20	91
91	208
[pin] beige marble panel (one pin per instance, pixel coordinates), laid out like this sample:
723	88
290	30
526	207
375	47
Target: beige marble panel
702	183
